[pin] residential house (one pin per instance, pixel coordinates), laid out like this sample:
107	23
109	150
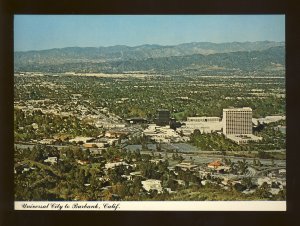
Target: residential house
152	184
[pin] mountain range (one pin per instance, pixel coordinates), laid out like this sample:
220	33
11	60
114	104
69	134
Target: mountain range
239	55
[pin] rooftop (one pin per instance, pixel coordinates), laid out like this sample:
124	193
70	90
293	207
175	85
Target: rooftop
238	109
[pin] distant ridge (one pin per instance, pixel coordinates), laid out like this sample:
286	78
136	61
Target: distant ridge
241	55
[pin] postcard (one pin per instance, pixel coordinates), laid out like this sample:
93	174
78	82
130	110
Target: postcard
150	112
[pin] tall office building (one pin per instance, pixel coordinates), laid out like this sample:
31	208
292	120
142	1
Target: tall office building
237	121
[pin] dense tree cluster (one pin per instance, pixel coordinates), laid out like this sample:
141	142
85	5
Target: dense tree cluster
69	180
273	139
48	126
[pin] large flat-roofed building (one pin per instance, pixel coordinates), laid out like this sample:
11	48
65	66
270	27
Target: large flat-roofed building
203	119
243	139
204	124
237	121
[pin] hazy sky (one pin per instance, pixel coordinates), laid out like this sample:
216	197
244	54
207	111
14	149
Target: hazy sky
36	32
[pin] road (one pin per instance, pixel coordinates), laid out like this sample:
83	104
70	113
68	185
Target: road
30	146
202	158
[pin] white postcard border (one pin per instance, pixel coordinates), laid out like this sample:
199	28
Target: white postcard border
152	205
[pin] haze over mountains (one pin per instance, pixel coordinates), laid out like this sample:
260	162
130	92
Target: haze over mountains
238	55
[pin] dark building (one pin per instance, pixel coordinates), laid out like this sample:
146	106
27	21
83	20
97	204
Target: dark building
163	117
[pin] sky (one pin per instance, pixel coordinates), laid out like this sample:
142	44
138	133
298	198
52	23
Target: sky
38	32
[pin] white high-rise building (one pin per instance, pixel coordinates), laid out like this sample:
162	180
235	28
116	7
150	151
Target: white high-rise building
237	121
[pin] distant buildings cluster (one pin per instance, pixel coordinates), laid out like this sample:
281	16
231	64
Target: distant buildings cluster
236	124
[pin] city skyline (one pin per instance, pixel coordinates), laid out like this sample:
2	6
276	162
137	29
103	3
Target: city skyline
39	32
